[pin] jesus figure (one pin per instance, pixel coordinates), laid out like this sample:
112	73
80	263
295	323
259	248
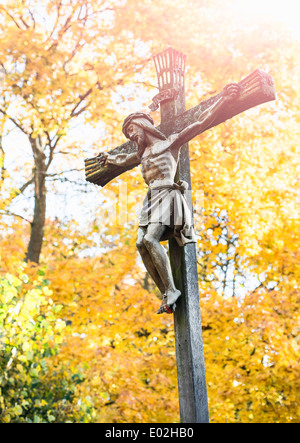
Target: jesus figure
165	211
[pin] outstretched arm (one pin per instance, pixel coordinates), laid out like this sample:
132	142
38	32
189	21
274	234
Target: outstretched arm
118	160
206	118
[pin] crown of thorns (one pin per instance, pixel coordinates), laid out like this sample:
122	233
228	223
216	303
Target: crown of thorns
135	116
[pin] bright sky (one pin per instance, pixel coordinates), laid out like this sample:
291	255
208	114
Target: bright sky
284	11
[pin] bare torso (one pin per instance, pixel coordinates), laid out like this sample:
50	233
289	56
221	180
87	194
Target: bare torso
159	164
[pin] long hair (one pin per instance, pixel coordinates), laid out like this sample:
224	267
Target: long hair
148	127
151	129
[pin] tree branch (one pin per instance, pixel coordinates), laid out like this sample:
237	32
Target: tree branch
64	172
82	98
32	17
57	19
61	32
11	17
14	122
52	147
2	152
73	53
74	182
22	189
24	23
12	214
76	114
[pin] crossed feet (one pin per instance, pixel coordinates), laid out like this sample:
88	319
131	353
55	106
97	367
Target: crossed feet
168	304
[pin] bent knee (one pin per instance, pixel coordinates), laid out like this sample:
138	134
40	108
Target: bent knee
148	241
140	244
139	241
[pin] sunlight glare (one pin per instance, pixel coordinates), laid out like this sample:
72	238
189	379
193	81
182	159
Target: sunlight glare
286	12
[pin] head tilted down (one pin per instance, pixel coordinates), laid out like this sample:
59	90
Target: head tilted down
137	126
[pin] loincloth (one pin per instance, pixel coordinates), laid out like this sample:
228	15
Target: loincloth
167	205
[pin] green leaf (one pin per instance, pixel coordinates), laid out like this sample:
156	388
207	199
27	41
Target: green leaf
57	308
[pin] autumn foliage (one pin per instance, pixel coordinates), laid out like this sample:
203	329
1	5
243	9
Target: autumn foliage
80	340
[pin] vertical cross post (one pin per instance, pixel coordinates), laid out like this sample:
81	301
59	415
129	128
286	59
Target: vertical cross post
170	67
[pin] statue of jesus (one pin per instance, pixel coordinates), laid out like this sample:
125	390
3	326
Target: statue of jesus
165	211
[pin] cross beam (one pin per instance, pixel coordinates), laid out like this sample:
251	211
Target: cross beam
191	377
257	88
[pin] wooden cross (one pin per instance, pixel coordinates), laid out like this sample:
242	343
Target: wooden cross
256	88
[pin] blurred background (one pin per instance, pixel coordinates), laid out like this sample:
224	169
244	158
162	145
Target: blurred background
79	337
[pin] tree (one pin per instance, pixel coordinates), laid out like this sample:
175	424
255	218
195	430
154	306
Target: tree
248	245
32	388
54	75
253	347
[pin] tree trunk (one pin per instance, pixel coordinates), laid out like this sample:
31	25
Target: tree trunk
39	216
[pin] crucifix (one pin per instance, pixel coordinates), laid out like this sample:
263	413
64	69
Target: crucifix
167	213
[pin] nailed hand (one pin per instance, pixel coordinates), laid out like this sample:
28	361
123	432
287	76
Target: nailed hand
231	92
102	159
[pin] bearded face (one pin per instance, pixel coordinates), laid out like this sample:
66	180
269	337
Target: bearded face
137	134
137	126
